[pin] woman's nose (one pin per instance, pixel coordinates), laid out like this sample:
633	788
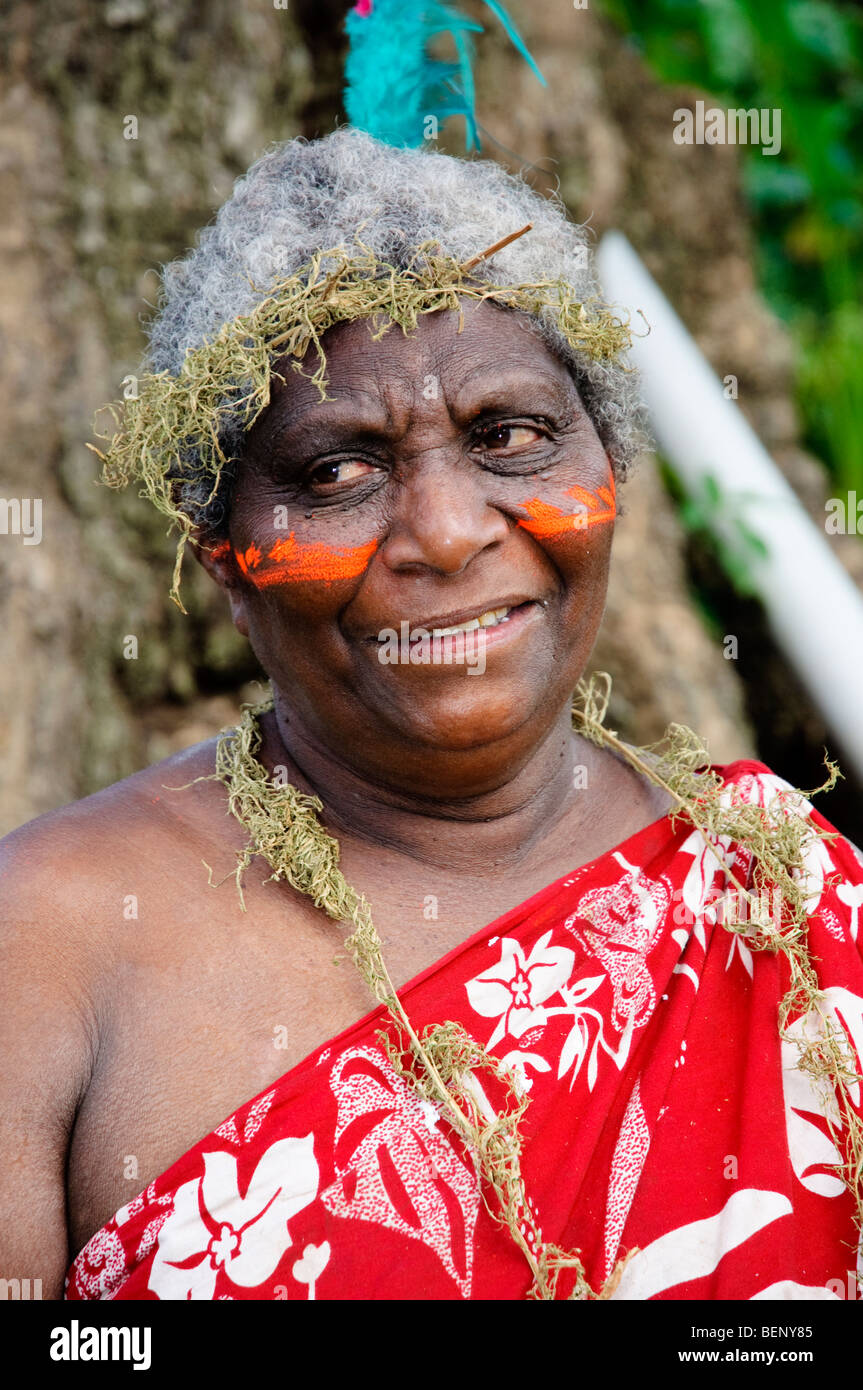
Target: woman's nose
442	521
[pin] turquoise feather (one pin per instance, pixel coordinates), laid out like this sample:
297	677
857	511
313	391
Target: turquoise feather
393	86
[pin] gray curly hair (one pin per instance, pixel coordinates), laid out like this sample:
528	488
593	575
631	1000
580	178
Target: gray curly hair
303	196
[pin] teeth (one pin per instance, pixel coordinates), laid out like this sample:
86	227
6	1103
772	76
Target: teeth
491	618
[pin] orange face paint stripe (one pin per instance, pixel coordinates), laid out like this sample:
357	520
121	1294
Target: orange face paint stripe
547	520
293	562
589	500
551	521
248	559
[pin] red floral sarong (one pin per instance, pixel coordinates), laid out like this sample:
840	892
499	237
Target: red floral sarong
665	1113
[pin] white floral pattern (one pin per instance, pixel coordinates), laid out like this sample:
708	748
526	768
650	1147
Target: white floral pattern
214	1228
101	1265
515	990
627	1165
395	1168
694	1250
813	1153
311	1265
620	924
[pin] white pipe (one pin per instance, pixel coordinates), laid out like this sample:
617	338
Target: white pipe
813	608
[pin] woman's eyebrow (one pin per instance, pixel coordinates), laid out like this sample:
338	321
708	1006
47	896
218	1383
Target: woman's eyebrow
481	391
343	418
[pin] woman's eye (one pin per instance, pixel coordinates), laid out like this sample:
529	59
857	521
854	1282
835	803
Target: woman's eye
340	472
509	436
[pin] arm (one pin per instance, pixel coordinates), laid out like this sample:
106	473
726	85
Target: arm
48	1044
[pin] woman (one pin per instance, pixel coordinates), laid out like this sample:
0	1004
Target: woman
418	555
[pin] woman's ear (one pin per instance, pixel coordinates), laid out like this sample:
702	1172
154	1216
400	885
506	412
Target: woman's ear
214	553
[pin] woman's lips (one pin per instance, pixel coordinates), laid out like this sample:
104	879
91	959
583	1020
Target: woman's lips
507	629
468	618
494	633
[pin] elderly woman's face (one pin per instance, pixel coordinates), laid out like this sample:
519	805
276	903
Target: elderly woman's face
452	477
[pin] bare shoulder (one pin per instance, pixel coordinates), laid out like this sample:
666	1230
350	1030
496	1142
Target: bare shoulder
65	885
63	875
69	858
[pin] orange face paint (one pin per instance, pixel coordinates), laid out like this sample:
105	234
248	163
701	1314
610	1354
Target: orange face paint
290	562
597	508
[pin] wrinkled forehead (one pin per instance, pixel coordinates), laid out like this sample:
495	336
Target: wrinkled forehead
464	361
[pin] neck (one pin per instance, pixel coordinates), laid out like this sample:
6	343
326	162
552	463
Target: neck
474	832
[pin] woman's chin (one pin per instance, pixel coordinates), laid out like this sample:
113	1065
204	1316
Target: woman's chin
473	715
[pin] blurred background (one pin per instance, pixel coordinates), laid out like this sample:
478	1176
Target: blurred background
761	257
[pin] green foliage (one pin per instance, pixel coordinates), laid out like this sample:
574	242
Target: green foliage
713	517
804	57
831	384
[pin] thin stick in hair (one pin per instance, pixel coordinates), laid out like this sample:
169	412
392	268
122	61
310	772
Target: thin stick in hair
498	246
